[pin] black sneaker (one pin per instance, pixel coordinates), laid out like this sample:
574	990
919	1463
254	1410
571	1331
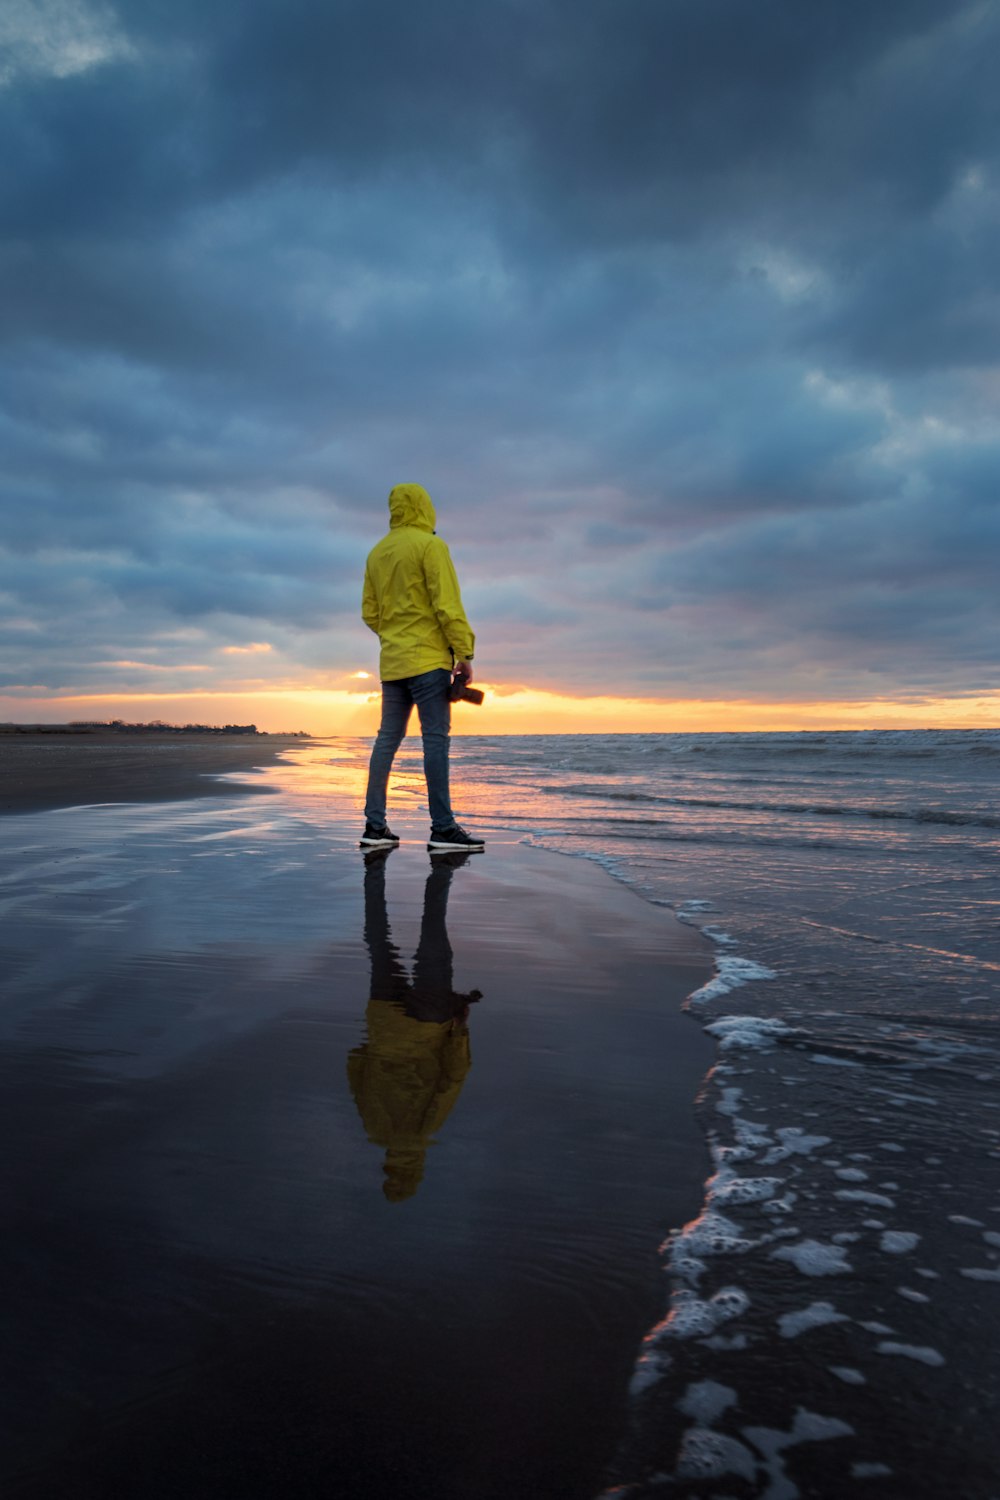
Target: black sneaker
378	838
454	838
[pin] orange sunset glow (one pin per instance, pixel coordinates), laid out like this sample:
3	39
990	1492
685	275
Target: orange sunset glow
510	710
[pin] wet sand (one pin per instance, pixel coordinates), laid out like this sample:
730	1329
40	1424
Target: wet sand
289	1213
39	771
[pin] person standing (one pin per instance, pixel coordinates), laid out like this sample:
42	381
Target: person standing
412	602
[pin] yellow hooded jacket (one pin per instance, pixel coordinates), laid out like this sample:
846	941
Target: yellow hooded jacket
411	596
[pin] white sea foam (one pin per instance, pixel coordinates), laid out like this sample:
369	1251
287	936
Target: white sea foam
712	1233
808	1427
921	1354
777	1207
691	1317
899	1241
729	1189
733	972
705	1400
980	1273
847	1375
860	1195
748	1033
790	1325
794	1142
705	1454
813	1258
727	1341
751	1133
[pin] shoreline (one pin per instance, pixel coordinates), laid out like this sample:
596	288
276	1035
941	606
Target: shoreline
41	772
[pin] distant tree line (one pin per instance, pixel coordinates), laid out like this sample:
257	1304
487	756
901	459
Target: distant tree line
155	726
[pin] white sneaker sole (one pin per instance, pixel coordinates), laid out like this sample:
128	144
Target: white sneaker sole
436	847
378	843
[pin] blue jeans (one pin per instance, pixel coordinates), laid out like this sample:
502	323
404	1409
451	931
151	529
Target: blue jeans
429	691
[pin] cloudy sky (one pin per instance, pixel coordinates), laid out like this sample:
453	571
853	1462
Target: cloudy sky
685	312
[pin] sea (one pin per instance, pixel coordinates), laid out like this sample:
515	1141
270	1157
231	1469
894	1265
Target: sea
830	1318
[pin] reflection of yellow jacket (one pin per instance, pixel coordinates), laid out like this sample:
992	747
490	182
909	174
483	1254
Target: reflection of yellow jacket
405	1080
411	596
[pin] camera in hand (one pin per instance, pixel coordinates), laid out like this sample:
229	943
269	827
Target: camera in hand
461	691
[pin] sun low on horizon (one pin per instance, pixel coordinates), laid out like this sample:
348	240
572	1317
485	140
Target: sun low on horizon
697	366
513	710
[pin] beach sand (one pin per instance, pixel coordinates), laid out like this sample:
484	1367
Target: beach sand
290	1216
39	771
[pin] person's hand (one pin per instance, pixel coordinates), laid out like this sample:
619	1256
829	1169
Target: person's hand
463	669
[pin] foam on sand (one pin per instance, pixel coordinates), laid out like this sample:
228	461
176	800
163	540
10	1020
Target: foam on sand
733	972
754	1033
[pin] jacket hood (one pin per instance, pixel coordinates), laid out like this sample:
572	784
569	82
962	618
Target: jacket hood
410	505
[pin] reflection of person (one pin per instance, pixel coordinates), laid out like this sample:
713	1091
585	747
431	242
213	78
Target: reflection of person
412	602
406	1077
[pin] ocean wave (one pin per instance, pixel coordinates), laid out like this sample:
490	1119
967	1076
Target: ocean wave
944	816
939	815
654	830
803	757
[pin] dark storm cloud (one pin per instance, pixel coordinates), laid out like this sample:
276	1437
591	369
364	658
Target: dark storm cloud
686	314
